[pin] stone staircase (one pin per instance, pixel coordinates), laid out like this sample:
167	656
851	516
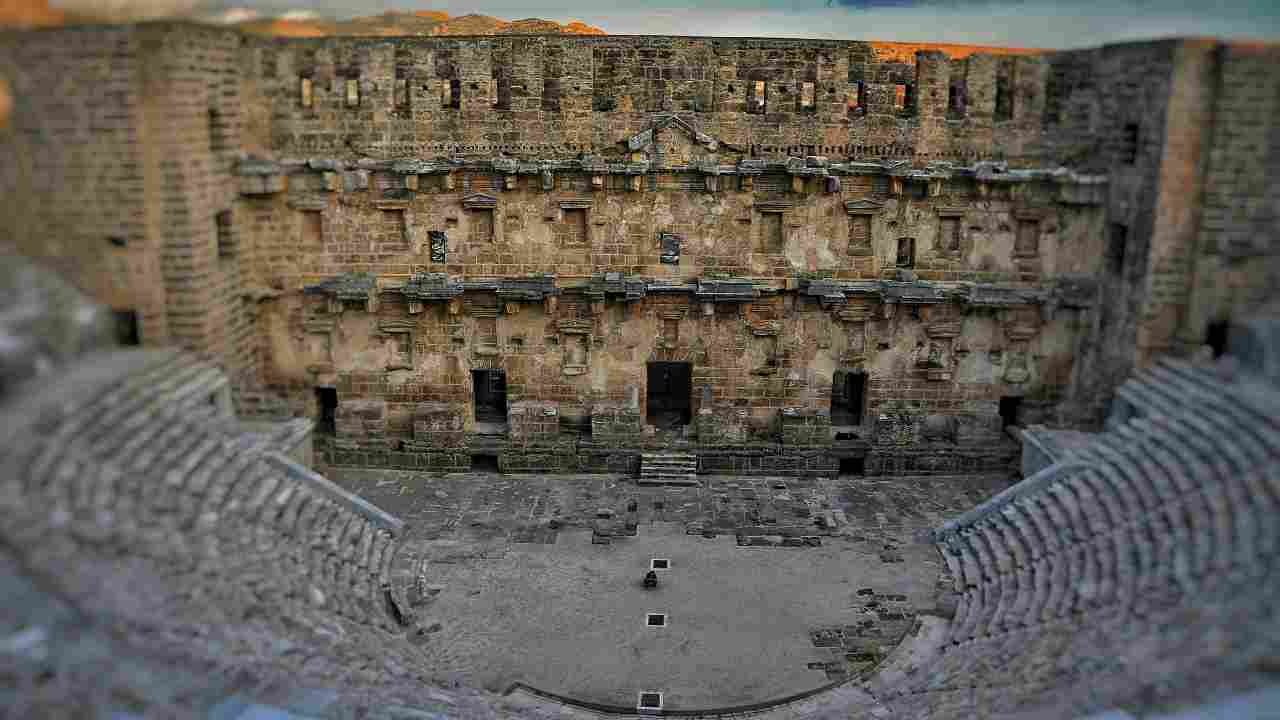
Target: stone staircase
668	468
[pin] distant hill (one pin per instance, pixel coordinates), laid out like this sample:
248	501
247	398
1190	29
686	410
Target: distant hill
419	23
26	14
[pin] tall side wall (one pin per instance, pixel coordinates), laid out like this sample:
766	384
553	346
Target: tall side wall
1236	260
119	172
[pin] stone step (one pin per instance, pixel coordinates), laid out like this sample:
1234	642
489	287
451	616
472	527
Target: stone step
689	479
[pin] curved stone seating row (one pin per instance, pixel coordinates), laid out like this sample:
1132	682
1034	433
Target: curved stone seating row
1183	491
138	465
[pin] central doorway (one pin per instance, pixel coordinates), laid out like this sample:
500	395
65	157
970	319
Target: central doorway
490	387
668	394
848	392
327	406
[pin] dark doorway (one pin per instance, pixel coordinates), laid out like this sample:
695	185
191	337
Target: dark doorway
1009	411
852	466
491	395
847	392
1215	336
127	328
484	463
327	402
670	389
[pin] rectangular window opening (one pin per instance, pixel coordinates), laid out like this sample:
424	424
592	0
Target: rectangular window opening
305	92
771	233
311	228
402	93
856	102
481	230
402	344
906	252
1117	238
668	394
326	410
217	132
1004	98
452	94
656	620
859	234
127	333
572	229
957	101
352	92
393	228
1027	243
904	98
757	100
660	564
807	97
1129	144
501	89
226	240
551	94
949	234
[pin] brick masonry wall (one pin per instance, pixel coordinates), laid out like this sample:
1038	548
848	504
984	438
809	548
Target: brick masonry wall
533	423
1236	263
202	247
73	184
556	96
122	148
720	232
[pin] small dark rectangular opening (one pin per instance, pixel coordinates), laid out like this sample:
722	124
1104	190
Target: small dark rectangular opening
650	701
1004	98
853	466
669	394
1129	144
957	100
656	620
1215	336
856	103
490	388
327	410
906	252
660	564
848	389
127	328
1117	238
222	230
757	92
455	94
1009	411
484	463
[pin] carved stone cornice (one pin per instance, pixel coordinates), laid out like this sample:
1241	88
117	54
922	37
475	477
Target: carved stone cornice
864	206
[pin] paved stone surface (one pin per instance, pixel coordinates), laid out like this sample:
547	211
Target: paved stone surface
521	592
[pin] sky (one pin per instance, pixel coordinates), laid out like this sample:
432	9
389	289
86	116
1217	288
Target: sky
1019	23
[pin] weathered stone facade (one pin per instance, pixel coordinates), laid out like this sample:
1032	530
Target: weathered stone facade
360	227
162	565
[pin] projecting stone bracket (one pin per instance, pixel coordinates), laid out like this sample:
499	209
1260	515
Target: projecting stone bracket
349	287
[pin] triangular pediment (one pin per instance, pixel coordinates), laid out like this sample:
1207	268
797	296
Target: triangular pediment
675	141
479	200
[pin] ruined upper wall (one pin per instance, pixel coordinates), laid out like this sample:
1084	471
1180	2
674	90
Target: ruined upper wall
116	169
557	96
